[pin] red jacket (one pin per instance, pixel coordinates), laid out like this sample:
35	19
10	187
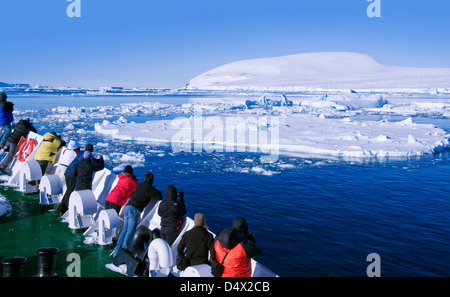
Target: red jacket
123	190
241	251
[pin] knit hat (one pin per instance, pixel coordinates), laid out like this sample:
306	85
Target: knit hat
73	144
240	225
3	96
128	169
199	220
89	148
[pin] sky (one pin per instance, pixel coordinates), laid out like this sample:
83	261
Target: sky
166	43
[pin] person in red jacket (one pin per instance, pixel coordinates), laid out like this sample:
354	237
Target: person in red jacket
123	190
238	247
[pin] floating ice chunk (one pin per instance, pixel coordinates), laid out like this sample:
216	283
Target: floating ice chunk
262	171
411	139
102	144
121	160
381	138
407	122
286	166
121	120
263	101
69	127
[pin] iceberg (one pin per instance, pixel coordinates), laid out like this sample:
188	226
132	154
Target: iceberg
267	102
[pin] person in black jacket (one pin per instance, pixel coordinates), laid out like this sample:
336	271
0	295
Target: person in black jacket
144	193
172	214
196	243
85	170
71	180
22	128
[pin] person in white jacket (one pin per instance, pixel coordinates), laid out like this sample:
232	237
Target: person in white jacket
68	154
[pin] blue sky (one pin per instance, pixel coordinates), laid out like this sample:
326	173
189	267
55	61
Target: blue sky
165	43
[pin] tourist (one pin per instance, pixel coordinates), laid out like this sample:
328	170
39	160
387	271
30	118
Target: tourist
172	213
144	193
48	149
196	243
84	171
22	129
6	118
235	248
123	190
66	157
71	180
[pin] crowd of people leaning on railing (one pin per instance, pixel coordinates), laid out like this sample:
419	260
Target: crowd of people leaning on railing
229	253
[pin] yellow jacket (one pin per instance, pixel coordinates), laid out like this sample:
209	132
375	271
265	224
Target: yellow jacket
49	148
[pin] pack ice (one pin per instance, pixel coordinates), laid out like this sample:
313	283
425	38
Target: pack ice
299	133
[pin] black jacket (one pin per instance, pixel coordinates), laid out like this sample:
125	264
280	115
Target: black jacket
144	192
22	128
84	172
198	242
171	210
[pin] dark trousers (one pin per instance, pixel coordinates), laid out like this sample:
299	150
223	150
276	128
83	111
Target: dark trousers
43	164
10	156
169	234
110	205
70	187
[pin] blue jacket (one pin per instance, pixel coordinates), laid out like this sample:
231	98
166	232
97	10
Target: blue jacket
5	117
70	171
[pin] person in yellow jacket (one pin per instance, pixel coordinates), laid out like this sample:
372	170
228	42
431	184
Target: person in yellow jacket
48	149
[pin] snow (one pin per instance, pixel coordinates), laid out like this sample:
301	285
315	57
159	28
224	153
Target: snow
5	207
321	71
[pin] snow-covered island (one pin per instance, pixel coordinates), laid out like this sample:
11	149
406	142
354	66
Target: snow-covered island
320	71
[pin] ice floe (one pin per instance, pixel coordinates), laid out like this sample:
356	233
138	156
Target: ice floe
301	133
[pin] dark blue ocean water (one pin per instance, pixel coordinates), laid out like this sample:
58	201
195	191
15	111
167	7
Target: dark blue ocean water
318	220
319	217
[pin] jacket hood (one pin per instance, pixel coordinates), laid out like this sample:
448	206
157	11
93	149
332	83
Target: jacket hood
49	136
87	154
240	225
229	238
171	194
123	175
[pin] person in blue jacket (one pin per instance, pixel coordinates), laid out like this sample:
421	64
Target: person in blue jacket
6	118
